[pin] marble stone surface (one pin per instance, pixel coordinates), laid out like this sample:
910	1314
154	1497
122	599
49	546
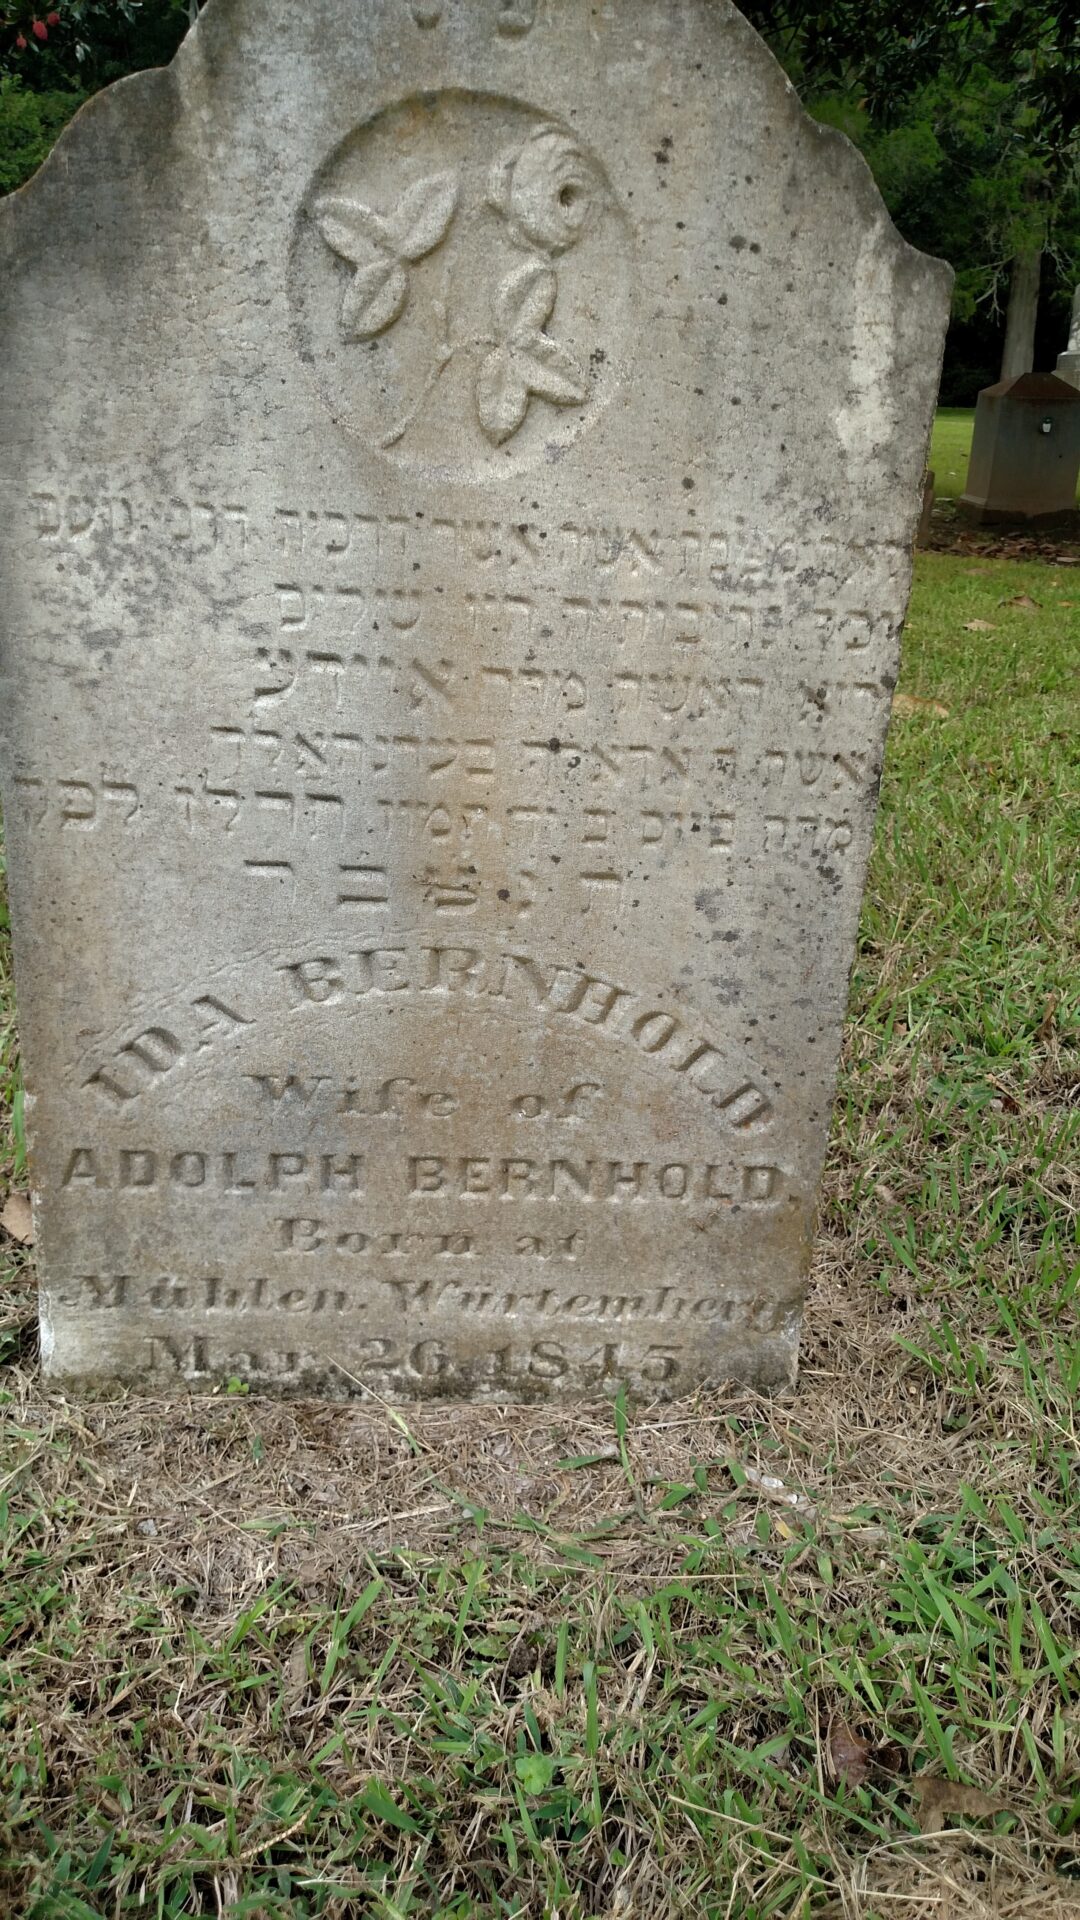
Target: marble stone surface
462	468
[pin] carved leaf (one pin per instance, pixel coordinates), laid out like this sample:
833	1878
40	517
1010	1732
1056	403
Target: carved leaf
549	371
422	215
525	300
502	398
374	297
352	230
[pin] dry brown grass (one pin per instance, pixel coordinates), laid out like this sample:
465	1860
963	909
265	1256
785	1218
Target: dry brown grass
163	1525
288	1660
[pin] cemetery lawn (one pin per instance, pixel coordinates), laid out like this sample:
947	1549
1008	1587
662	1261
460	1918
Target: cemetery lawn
732	1659
950	450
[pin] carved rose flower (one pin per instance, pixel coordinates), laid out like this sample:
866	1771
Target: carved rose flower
545	190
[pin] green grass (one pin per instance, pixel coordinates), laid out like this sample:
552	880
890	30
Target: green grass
950	450
606	1672
969	927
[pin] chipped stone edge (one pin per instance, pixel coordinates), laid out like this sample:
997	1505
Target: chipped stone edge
111	99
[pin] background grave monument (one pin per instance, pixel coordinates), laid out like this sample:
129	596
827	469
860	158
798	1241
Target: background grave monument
1025	451
463	466
1068	363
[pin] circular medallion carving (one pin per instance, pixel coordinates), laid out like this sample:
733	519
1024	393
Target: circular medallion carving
460	283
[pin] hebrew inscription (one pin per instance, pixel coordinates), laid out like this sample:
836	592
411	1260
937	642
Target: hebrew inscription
449	636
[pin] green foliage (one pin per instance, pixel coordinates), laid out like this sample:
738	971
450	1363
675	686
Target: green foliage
964	177
968	115
52	60
88	43
29	124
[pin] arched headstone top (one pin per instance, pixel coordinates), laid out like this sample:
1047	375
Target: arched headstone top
462	470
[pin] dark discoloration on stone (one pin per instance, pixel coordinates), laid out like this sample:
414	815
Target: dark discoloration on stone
455	603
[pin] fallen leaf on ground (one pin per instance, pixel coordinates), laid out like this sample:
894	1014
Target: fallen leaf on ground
939	1797
911	703
17	1218
296	1672
849	1754
1046	1024
1008	1101
1023	600
1068	1085
979	626
774	1489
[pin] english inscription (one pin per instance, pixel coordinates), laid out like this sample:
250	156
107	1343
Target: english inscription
449	636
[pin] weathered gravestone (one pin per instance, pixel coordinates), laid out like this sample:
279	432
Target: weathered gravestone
462	468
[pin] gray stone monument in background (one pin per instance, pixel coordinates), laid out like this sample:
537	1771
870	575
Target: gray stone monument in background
462	468
1025	452
1068	363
